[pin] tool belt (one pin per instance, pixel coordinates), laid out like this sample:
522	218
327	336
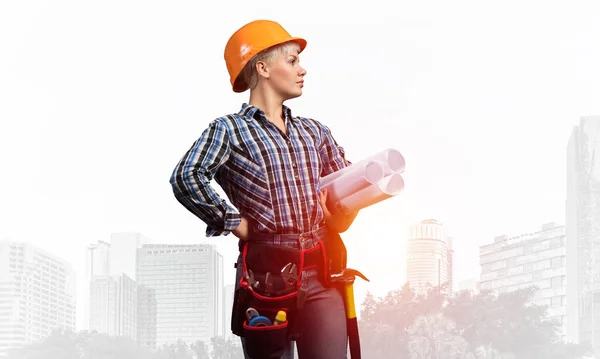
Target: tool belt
271	282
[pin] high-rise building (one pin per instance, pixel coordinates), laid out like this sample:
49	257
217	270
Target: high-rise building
583	233
229	292
112	293
97	263
184	289
147	316
97	259
37	295
529	260
429	257
113	305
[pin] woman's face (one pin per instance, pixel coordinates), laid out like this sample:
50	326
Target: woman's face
286	76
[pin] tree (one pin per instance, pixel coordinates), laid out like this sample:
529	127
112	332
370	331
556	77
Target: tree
384	321
200	350
488	352
226	348
507	322
65	344
434	336
437	324
178	350
59	344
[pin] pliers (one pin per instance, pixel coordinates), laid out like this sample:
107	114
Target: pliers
289	273
252	282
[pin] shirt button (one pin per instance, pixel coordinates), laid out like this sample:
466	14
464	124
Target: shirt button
294	165
296	176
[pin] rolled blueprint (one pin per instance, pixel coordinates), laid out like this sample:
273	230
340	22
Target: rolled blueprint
391	160
387	187
354	180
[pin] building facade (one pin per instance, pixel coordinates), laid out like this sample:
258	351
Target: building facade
530	260
113	305
183	293
583	233
429	257
37	295
228	305
97	263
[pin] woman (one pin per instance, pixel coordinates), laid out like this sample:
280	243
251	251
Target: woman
269	163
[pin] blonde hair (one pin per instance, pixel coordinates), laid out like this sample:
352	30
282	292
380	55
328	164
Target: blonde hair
249	74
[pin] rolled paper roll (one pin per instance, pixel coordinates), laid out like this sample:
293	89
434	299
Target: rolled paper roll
387	187
354	180
391	159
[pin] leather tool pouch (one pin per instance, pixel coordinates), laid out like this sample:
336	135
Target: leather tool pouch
336	256
277	294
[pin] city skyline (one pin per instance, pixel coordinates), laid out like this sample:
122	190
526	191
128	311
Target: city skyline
427	228
480	98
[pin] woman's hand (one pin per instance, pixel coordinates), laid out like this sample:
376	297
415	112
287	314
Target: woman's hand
241	231
338	222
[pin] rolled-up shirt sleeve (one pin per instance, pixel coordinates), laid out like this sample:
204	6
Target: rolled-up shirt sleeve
191	178
333	156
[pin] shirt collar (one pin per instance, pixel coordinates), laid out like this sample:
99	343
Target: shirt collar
249	112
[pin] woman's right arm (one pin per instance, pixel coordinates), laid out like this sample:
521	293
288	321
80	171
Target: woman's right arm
191	178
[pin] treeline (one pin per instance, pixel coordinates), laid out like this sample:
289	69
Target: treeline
401	325
62	344
465	325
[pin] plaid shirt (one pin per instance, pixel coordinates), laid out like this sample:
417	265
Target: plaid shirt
271	178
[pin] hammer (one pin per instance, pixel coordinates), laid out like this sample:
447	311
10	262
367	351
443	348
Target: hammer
346	277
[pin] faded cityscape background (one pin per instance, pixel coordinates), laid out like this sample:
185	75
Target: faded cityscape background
492	250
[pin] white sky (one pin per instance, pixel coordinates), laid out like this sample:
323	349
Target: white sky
99	100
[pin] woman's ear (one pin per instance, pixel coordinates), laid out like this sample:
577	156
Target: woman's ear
262	69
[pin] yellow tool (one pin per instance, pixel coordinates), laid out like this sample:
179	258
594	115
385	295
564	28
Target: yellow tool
280	318
347	277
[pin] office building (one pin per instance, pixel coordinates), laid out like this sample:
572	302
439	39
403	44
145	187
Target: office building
583	233
228	299
429	257
184	289
37	295
530	260
97	263
113	305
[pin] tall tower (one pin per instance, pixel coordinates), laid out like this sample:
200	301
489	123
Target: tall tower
37	292
583	233
97	259
97	263
113	305
181	293
228	300
429	257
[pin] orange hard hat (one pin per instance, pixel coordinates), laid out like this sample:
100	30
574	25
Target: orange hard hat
248	41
